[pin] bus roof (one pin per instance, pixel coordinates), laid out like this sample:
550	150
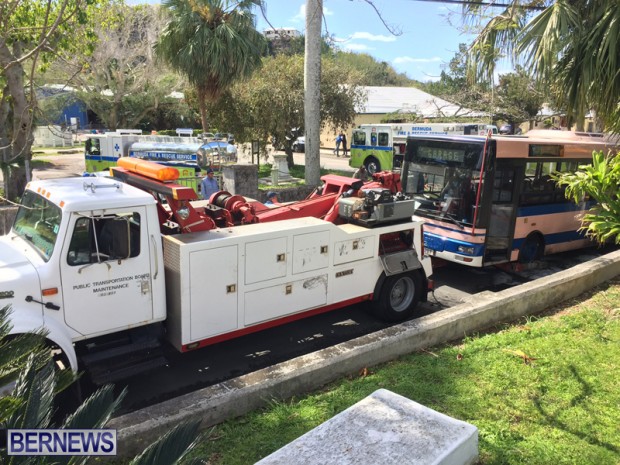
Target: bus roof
539	143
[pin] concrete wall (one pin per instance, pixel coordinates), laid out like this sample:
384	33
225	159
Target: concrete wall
243	180
287	194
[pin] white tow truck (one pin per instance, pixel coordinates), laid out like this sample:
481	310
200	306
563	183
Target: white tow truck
110	267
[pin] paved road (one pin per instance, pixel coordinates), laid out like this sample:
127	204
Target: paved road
194	370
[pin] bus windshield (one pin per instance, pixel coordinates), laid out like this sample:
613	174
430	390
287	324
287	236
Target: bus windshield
37	222
443	177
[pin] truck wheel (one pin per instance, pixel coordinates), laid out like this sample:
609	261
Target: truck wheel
532	249
398	297
372	165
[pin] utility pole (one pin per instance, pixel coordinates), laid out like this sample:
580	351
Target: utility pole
312	88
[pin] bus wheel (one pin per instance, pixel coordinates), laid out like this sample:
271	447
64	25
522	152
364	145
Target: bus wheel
372	165
399	297
532	249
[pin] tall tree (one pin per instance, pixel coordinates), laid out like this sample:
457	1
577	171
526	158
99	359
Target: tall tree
518	98
376	73
454	87
312	86
116	79
213	43
30	33
271	103
570	45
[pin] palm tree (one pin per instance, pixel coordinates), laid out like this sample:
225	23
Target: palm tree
570	45
26	362
213	43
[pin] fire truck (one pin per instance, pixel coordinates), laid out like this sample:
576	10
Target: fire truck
382	146
101	151
112	267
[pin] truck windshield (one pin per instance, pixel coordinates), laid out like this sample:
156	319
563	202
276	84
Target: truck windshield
37	222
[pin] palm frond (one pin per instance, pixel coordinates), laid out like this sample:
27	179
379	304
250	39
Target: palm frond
95	411
36	389
15	350
171	447
541	39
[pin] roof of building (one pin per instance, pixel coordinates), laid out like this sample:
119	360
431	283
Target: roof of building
409	99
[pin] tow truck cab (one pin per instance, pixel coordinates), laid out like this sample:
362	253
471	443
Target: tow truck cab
84	259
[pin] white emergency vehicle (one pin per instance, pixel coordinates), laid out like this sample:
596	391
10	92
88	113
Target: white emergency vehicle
382	146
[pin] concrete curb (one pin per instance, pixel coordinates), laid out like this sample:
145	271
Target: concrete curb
238	396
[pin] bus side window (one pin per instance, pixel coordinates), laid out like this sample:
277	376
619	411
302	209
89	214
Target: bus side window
373	139
503	186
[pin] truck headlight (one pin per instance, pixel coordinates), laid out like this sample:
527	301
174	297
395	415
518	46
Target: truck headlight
465	249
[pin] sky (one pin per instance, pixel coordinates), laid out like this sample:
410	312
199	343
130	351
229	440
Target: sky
425	46
429	32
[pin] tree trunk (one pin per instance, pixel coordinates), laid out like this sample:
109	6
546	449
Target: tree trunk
289	157
312	85
202	106
16	137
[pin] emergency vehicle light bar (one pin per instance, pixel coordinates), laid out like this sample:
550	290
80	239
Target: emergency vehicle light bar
149	169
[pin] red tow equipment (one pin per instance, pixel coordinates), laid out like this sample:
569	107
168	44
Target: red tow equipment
225	209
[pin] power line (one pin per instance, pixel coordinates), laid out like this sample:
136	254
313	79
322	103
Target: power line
492	4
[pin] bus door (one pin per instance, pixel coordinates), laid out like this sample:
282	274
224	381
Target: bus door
503	211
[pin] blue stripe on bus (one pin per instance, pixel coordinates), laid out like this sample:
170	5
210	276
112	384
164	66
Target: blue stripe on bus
444	244
100	158
548	208
556	238
371	147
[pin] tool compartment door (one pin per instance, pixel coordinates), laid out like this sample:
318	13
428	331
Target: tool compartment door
213	292
265	259
310	251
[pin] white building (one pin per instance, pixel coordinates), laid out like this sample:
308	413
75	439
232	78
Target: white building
382	101
281	33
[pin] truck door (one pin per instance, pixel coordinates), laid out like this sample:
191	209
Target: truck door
105	268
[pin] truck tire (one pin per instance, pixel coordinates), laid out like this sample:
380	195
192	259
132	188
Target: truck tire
398	297
372	165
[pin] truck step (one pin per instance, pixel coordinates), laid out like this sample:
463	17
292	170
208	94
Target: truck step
102	375
119	351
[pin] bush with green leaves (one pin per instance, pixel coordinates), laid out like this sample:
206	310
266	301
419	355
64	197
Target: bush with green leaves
600	182
27	362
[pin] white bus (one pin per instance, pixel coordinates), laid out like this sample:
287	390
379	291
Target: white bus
486	201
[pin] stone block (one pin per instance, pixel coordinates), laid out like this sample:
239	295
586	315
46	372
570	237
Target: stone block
384	428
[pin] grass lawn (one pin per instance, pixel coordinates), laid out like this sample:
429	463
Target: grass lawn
541	391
